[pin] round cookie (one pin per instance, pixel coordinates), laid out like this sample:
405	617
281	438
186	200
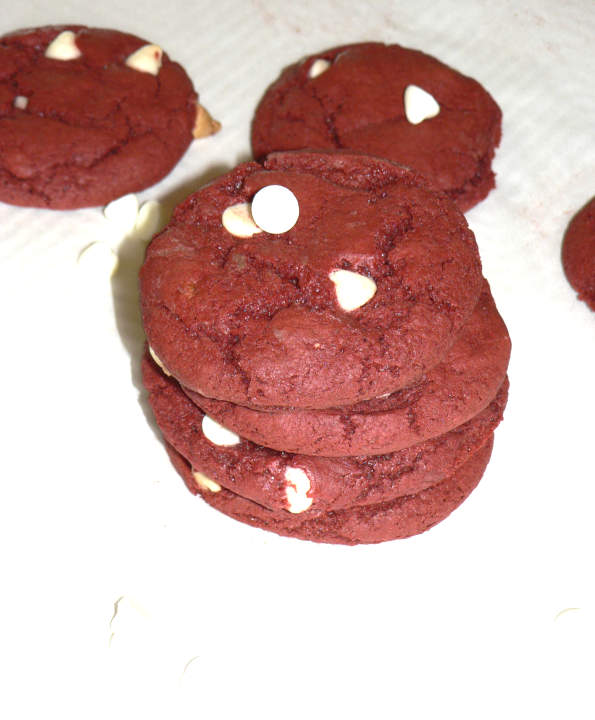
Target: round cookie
578	253
302	483
88	115
388	101
268	319
399	518
452	392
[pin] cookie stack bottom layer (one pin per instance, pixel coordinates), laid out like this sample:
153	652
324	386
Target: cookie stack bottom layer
347	500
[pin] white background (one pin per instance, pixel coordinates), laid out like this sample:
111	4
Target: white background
490	614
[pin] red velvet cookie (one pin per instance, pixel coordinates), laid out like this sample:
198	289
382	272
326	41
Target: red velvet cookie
399	518
452	392
578	253
361	296
388	101
302	483
88	115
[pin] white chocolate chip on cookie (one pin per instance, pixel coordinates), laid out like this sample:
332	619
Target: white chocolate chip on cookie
275	209
146	59
204	125
419	104
157	360
218	434
63	47
318	67
205	483
296	492
237	220
21	102
353	290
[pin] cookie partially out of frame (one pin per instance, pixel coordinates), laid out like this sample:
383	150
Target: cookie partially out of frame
399	518
361	296
302	483
388	101
452	392
88	115
578	253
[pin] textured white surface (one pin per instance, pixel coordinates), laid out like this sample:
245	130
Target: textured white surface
464	620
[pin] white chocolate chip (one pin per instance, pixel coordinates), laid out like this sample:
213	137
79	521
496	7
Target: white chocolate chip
158	361
205	482
98	260
419	104
353	290
218	434
150	219
275	209
63	47
122	212
237	220
146	59
21	102
318	67
204	125
296	492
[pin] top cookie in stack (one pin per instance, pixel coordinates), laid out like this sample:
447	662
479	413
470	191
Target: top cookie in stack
343	319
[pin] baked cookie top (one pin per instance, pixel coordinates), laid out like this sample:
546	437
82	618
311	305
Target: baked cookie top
359	297
88	115
389	101
578	253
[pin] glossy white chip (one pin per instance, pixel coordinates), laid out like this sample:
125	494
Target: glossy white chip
122	212
296	492
146	59
218	434
318	67
63	47
150	219
419	104
205	482
158	361
353	290
98	260
275	209
21	102
237	220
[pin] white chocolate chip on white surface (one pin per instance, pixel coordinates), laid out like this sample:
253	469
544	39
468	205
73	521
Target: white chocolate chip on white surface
353	290
237	220
419	104
21	102
318	67
123	211
63	47
218	434
158	361
296	492
275	209
205	482
204	125
98	260
146	59
150	219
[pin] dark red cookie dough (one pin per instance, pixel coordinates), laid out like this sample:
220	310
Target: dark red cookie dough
258	473
578	253
358	104
452	392
92	128
256	320
399	518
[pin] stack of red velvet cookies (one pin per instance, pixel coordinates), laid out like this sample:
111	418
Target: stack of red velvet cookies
327	359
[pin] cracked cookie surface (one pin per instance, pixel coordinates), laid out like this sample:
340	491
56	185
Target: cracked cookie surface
358	102
82	131
255	320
